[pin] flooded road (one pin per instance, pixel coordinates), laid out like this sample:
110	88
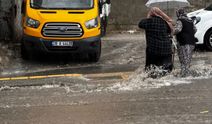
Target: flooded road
113	91
90	103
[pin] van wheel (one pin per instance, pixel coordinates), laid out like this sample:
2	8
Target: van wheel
208	40
95	56
24	53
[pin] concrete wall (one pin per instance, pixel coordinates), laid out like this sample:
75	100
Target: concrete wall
10	20
6	19
18	21
126	13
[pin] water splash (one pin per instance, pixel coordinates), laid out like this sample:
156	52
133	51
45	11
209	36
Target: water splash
141	80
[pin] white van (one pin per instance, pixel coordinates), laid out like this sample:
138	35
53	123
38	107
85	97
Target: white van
204	26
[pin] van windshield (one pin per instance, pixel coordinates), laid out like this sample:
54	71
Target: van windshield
61	4
209	8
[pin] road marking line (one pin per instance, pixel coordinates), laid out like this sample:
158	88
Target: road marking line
37	77
73	75
107	74
204	112
40	77
4	79
19	78
52	76
123	75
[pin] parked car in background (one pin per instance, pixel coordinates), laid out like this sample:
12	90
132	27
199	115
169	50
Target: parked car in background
204	26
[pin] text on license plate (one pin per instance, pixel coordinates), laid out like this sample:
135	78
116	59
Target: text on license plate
62	43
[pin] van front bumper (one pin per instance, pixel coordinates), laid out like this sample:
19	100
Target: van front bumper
34	44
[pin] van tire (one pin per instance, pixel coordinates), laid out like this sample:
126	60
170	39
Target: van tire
95	56
24	53
208	40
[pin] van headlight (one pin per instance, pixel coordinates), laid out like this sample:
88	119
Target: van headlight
32	23
93	23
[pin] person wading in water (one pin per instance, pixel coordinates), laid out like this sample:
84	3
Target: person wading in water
158	28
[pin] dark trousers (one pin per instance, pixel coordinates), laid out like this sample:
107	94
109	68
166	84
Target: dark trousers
163	61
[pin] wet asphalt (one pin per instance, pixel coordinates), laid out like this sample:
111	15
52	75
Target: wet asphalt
82	102
90	98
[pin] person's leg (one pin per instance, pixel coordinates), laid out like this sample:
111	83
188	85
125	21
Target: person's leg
189	51
151	60
155	69
148	61
182	58
162	64
167	63
151	63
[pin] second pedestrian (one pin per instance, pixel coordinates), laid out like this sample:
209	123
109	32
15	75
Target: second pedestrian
185	31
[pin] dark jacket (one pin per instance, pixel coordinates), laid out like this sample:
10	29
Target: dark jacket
186	36
157	35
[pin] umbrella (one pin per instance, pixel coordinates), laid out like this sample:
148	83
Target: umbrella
167	4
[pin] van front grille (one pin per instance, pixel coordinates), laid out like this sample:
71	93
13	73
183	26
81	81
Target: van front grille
62	30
